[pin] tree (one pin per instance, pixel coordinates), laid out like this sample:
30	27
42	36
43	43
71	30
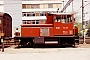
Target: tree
77	23
88	26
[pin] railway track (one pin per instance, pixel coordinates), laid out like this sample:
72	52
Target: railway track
9	43
87	40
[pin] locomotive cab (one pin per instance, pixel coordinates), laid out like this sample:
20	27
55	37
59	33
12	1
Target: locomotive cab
63	23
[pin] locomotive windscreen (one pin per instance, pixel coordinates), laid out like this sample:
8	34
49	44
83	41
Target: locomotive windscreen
63	18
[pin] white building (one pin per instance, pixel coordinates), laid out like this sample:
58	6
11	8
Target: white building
1	6
33	11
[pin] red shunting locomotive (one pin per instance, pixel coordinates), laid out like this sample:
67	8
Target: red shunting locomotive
58	30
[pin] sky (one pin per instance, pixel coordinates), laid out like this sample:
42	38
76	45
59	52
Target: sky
76	7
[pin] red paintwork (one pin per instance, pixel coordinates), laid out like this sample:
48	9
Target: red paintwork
49	19
75	30
51	31
60	27
25	31
29	31
55	28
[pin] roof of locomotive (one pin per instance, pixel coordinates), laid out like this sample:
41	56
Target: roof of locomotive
60	13
37	25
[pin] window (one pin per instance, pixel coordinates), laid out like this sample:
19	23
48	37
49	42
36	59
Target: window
33	21
50	5
69	18
27	14
37	21
30	21
42	21
42	13
55	5
63	18
45	6
59	5
32	6
37	6
24	22
24	6
37	14
24	14
28	6
32	14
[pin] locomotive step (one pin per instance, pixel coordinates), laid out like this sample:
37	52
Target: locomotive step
51	42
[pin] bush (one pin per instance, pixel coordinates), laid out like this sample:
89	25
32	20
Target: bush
80	34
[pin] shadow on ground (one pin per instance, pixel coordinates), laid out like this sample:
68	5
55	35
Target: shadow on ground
46	46
4	47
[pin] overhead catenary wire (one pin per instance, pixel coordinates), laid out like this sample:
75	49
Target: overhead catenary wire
81	7
67	4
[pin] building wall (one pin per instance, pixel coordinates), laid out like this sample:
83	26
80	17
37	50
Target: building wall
14	8
41	0
1	6
39	9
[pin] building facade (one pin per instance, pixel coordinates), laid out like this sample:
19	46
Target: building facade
35	11
1	6
32	11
